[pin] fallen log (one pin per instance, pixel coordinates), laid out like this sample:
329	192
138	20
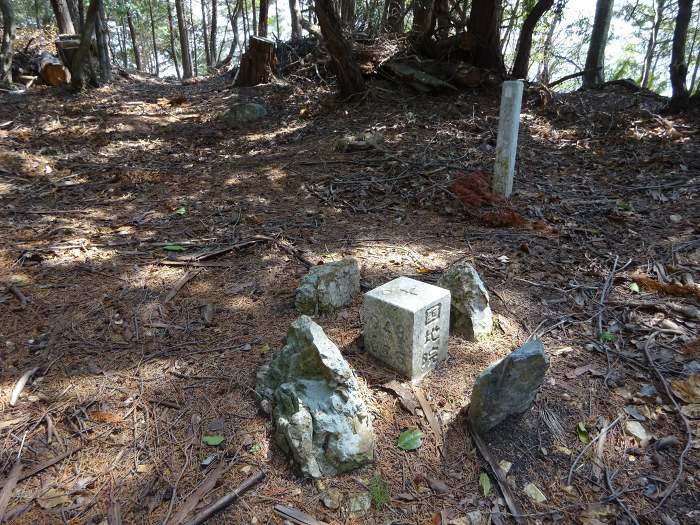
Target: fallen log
52	71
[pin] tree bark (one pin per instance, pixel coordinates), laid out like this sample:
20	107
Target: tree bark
394	16
195	58
659	6
134	41
262	19
679	69
522	55
254	14
484	22
514	16
63	19
184	41
422	16
73	10
81	15
171	34
213	22
8	40
233	17
694	53
595	60
103	43
350	81
77	70
295	17
153	37
347	13
205	34
258	63
442	17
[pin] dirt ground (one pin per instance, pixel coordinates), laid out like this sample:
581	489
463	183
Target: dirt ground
139	354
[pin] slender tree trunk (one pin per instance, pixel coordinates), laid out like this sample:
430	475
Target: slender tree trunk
394	16
422	16
153	37
195	58
205	34
8	40
81	15
63	19
122	44
77	70
514	16
134	41
295	17
73	10
171	34
246	24
350	81
184	40
651	44
522	56
262	20
214	21
442	17
254	14
277	18
484	25
678	68
694	53
103	43
595	60
233	17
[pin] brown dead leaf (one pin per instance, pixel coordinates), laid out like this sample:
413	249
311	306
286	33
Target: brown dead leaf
102	416
687	389
53	498
405	396
438	486
677	290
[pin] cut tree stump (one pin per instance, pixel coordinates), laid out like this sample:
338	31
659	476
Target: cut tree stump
52	71
258	63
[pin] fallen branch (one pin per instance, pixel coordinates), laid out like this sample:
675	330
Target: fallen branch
500	478
21	383
18	294
8	486
602	433
46	464
227	500
182	281
296	516
616	498
196	496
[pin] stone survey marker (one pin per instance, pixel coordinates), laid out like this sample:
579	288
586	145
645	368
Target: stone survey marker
406	325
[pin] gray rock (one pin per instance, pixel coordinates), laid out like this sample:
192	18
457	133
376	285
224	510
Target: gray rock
470	313
328	287
243	113
312	395
507	387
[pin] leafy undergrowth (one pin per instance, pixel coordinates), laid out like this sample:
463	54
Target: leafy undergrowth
150	257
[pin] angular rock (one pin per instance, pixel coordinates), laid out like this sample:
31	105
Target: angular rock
243	113
470	313
312	395
507	387
328	287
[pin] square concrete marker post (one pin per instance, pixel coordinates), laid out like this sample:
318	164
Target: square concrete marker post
406	325
507	142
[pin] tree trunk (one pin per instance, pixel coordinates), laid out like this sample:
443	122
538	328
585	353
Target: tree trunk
171	36
295	16
73	10
651	45
254	14
63	19
484	26
8	39
347	13
103	43
184	41
350	81
81	15
678	68
595	60
233	17
543	73
422	16
442	17
205	34
262	20
195	58
213	31
394	16
522	55
134	42
153	37
694	55
82	55
514	16
258	63
122	44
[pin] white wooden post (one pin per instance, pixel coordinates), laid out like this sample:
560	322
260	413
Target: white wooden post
507	142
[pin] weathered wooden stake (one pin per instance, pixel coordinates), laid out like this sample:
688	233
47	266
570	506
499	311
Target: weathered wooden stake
507	142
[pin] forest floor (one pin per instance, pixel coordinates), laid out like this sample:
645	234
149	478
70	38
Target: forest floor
139	354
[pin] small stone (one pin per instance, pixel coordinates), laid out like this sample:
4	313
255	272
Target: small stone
406	325
507	387
505	466
358	503
328	287
534	493
243	113
332	498
637	430
313	397
470	313
675	218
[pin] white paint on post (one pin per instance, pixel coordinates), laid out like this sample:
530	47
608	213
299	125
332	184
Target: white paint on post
507	143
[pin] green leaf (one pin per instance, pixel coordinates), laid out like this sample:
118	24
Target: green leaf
213	440
174	248
582	434
181	210
607	337
634	287
255	448
485	483
410	439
